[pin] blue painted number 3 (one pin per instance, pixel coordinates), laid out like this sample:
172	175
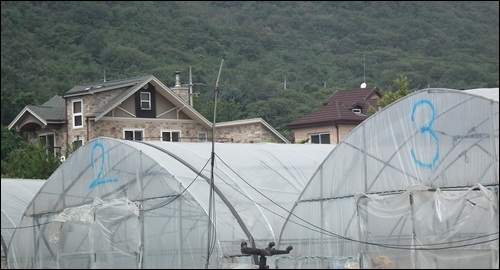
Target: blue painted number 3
98	180
423	130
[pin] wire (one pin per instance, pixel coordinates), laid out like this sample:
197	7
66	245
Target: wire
178	195
326	232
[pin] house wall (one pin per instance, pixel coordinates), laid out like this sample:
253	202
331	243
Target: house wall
182	92
114	123
60	135
246	133
344	130
152	128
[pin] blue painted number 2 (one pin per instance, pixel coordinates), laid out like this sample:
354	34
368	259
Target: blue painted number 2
98	180
423	130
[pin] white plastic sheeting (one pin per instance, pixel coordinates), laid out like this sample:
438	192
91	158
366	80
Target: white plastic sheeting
127	204
16	195
413	186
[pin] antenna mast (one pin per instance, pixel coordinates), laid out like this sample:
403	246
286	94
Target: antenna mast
364	69
190	87
211	201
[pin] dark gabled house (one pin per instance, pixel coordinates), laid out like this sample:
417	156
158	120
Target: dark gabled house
341	113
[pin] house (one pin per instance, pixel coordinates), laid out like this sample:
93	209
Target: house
340	114
140	108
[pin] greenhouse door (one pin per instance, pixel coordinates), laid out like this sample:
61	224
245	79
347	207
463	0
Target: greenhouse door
449	229
104	235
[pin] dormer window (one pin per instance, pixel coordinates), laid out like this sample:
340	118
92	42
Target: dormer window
356	110
145	101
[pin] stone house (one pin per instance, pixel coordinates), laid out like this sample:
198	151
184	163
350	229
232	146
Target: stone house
140	108
340	114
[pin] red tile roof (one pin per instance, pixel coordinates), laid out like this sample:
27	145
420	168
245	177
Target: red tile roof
338	108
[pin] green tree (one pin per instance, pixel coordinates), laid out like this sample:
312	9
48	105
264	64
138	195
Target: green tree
389	97
10	142
34	161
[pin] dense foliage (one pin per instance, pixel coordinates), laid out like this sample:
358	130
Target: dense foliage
281	58
33	161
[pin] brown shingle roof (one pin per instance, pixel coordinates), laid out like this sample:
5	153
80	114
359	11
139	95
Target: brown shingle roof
338	108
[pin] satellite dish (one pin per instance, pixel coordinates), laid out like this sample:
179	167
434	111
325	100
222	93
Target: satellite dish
363	85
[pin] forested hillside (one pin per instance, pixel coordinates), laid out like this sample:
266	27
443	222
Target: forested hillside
317	48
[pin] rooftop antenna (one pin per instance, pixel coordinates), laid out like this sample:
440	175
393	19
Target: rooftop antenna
363	85
211	200
104	76
190	87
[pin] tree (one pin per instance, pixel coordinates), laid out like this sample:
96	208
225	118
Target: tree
389	97
31	162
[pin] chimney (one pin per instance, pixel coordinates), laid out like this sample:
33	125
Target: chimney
181	91
177	79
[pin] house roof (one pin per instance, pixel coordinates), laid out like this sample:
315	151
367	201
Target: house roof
338	108
103	86
51	111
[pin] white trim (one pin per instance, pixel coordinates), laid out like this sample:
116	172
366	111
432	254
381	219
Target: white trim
125	119
133	132
125	111
147	100
163	113
73	114
18	117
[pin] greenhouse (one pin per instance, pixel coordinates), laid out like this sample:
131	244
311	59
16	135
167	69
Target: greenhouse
129	204
413	186
16	195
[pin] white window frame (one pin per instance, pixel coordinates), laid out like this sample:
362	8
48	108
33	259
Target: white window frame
77	114
171	135
202	136
134	130
356	110
146	102
319	137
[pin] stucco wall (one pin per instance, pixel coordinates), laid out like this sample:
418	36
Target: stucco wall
343	131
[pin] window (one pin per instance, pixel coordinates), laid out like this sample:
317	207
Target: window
320	138
170	136
77	114
202	136
49	139
77	142
145	101
133	134
356	110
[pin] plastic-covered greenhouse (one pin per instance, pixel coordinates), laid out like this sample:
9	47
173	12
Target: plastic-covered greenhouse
414	186
16	195
127	204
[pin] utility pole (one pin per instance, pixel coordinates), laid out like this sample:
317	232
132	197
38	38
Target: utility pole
211	201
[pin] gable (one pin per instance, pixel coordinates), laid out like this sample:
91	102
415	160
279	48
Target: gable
51	112
165	104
